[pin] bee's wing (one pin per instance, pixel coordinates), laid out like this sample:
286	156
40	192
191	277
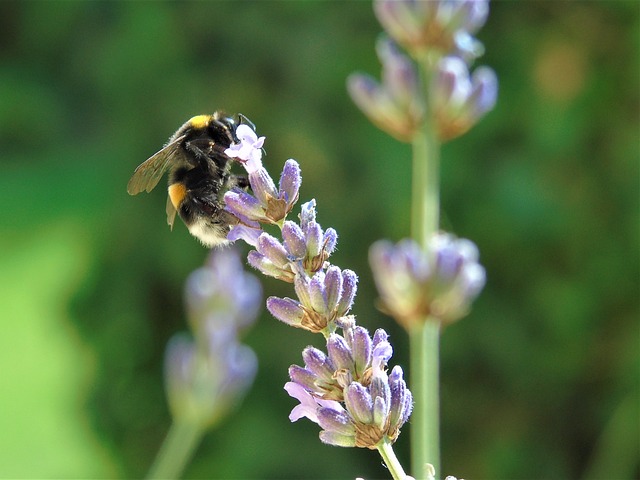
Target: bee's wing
149	173
171	213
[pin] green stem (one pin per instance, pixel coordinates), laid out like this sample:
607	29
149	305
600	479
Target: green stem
425	333
425	419
391	461
176	450
425	211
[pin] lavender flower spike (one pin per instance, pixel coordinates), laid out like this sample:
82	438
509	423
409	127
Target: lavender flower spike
442	27
207	376
348	392
441	282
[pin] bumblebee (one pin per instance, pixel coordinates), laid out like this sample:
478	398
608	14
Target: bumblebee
199	175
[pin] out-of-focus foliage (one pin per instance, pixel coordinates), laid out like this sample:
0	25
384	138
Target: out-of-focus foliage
540	381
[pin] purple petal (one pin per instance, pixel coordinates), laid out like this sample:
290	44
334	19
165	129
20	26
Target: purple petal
308	405
243	232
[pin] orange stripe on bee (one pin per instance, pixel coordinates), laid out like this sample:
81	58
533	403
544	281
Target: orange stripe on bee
177	192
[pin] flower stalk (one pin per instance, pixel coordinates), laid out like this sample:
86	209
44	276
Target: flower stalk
424	334
391	461
177	449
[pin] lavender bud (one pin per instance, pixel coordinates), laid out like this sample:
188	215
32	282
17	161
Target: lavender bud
313	234
336	421
302	376
380	336
361	347
290	181
307	213
330	239
317	293
349	289
333	287
359	403
286	310
336	439
294	240
262	185
270	247
339	352
398	389
243	204
380	411
318	363
382	353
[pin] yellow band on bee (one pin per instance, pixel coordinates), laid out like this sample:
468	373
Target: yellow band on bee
177	192
199	121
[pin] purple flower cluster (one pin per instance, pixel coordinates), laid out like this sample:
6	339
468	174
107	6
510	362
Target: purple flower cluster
208	374
438	35
325	293
348	391
440	282
442	26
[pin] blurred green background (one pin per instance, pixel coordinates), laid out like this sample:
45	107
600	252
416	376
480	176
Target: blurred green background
540	381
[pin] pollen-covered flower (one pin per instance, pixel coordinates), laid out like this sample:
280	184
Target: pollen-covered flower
208	374
442	27
394	106
348	392
324	299
458	100
441	282
268	204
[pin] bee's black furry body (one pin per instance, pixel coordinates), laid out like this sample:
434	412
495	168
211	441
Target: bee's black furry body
199	176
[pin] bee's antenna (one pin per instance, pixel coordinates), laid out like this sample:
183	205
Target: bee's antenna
243	119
